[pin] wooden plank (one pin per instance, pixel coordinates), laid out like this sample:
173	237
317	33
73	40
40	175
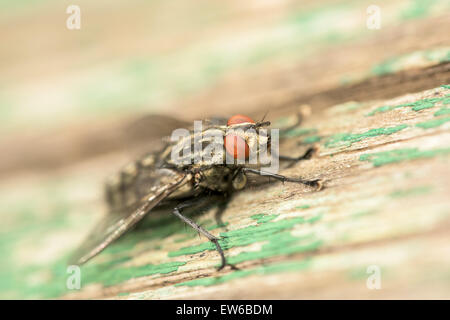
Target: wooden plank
383	150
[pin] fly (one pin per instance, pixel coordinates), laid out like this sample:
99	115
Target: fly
156	179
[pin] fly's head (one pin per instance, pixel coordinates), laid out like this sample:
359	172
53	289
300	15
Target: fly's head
247	142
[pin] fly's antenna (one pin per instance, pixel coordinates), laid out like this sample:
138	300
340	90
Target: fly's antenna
265	115
262	124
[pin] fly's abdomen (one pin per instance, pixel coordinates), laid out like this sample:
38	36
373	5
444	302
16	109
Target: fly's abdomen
120	189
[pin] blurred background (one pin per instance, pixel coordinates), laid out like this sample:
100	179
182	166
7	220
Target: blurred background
76	104
191	60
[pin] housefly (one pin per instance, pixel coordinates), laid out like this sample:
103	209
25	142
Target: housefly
157	179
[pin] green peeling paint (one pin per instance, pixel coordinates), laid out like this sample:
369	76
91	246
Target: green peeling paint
363	213
281	122
185	238
123	294
151	228
411	192
416	106
263	270
402	62
296	132
312	139
111	276
382	109
347	139
275	235
433	123
106	273
315	218
281	245
385	67
442	111
217	226
358	273
33	280
417	9
15	283
261	218
362	273
382	158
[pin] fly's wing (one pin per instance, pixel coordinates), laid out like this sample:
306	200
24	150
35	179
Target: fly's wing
114	225
214	122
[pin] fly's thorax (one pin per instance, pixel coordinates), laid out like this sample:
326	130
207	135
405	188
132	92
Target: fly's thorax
198	149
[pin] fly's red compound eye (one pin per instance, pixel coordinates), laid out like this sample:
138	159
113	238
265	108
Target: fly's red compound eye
236	146
239	118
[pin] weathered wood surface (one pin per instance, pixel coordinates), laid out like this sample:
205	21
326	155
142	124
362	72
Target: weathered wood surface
380	120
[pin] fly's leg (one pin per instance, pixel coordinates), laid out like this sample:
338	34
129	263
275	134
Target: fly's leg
312	183
222	206
307	155
201	230
297	123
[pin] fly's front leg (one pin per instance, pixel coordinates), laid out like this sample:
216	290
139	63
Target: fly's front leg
297	123
201	230
221	207
305	156
312	183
